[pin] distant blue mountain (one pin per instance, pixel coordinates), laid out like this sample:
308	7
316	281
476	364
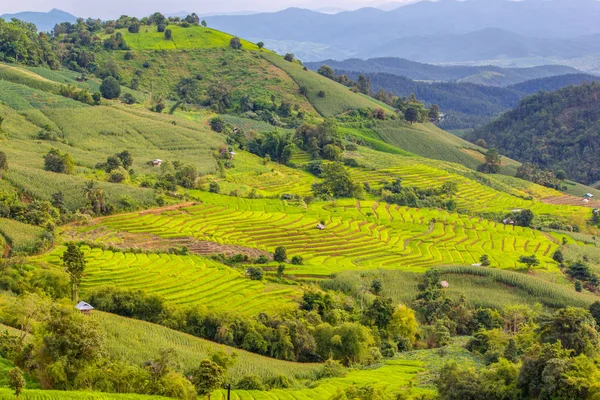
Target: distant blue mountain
44	21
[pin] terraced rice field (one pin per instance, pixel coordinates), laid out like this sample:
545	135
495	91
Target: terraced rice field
8	394
389	378
181	280
486	194
358	234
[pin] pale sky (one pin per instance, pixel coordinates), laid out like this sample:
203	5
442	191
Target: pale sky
114	8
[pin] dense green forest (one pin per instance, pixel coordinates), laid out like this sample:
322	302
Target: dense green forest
558	130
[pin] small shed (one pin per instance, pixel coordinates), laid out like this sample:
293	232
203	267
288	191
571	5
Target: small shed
476	265
444	284
508	221
586	200
320	227
232	155
84	307
588	195
157	163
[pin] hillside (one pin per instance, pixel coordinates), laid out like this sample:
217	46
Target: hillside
233	220
555	130
488	75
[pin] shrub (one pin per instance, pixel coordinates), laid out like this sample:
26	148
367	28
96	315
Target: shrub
119	175
280	254
128	56
255	273
160	28
168	34
128	99
289	57
110	88
297	260
321	94
235	43
250	382
57	161
217	124
214	187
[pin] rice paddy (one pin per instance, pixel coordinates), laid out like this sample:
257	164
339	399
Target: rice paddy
183	280
358	234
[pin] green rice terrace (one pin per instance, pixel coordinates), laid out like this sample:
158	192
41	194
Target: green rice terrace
184	212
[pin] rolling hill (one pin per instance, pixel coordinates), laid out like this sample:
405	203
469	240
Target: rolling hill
267	227
44	21
555	130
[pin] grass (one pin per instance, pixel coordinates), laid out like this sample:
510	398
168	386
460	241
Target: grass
242	73
7	394
192	37
19	236
338	98
139	341
359	235
183	280
411	373
482	287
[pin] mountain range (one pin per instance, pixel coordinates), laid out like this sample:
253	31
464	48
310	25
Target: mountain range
442	31
44	21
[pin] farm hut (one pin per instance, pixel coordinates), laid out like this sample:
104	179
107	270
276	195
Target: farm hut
586	200
444	284
84	307
508	221
476	265
232	155
157	163
588	195
320	227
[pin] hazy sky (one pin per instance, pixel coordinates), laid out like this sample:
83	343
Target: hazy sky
115	8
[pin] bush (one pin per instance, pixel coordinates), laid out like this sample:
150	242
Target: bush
128	99
57	161
280	254
297	260
119	175
256	273
110	88
128	56
289	57
168	34
250	382
214	187
217	124
160	28
235	43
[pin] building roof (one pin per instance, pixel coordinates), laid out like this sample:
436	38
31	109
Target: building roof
444	284
83	306
589	195
320	226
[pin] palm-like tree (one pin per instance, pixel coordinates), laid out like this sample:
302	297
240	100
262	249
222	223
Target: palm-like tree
95	196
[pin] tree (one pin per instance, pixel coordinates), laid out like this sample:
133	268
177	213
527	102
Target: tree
297	260
574	328
578	286
326	71
434	113
168	34
280	270
188	90
204	24
256	273
511	351
260	45
558	256
289	57
280	254
207	377
595	311
337	183
403	324
524	218
529	261
217	124
3	163
110	88
126	159
16	381
57	161
95	197
74	262
364	84
128	98
214	187
485	260
376	287
492	163
235	43
134	27
411	114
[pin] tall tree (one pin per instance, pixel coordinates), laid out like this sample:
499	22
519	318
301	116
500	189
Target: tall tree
16	381
74	262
